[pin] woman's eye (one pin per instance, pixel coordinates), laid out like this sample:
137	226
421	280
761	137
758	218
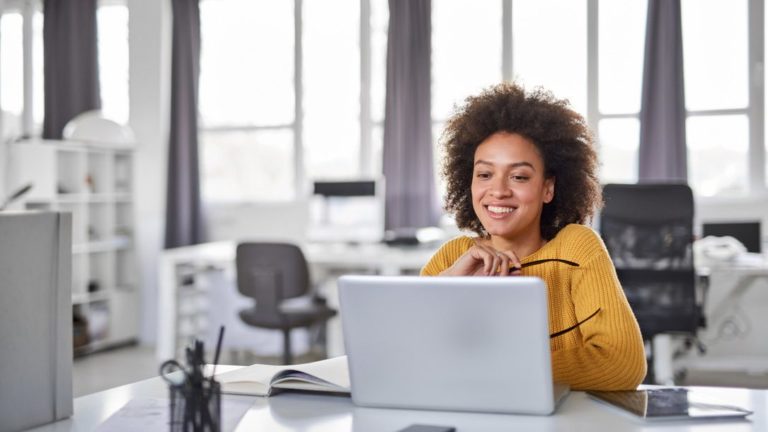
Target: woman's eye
483	175
520	178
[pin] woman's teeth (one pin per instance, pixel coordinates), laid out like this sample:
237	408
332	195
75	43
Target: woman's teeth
500	210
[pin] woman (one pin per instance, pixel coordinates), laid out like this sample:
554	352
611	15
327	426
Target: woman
521	172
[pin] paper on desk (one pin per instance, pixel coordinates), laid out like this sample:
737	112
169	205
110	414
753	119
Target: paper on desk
151	414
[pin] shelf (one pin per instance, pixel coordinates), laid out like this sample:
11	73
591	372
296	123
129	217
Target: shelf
115	244
84	298
84	198
97	181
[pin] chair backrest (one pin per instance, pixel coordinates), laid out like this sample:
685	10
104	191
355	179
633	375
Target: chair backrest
271	272
648	230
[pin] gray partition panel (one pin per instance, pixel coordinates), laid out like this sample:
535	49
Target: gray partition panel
35	318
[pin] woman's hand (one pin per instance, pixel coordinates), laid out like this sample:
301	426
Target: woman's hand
483	260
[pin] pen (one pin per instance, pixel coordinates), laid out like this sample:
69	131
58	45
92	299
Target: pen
218	350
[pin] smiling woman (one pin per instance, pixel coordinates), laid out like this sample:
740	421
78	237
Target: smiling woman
521	172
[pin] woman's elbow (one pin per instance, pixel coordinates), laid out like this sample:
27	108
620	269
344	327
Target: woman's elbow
629	372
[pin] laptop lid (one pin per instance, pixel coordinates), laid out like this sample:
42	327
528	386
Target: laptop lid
449	343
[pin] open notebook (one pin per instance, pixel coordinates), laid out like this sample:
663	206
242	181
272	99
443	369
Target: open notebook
330	375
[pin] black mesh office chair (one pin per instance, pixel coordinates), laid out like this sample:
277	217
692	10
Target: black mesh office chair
271	274
648	230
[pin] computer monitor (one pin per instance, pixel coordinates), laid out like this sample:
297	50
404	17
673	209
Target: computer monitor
347	211
748	233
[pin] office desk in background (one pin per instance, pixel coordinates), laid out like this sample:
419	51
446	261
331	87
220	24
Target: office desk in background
321	413
327	261
736	335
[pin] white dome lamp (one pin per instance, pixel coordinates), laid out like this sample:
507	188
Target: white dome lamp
92	126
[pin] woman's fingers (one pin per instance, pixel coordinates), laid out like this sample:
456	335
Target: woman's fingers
484	260
504	265
514	260
496	263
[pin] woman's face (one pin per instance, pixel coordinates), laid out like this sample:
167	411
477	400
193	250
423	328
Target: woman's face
509	189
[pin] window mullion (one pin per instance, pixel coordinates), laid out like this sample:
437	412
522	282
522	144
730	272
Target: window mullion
298	120
756	97
506	40
27	116
366	168
593	89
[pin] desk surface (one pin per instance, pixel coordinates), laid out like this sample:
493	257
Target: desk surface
319	413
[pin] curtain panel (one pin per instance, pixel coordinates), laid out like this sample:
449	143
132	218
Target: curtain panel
70	53
184	222
408	167
662	155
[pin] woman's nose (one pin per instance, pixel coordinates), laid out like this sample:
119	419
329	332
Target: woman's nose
499	188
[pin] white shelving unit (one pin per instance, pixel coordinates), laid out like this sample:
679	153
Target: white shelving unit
95	183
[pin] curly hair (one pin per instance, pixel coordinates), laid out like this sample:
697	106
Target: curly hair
560	135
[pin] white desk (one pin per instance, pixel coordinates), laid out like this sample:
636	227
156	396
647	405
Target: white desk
318	413
325	260
729	284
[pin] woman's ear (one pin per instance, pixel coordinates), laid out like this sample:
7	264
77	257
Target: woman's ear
549	189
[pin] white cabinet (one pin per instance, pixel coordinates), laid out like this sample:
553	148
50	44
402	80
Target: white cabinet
95	184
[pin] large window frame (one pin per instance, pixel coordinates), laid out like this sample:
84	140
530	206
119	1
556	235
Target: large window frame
367	123
754	111
27	9
33	91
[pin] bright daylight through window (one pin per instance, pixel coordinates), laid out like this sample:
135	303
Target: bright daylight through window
255	149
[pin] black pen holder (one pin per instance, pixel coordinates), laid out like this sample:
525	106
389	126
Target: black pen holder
195	406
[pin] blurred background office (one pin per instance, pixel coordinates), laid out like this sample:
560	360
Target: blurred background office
225	120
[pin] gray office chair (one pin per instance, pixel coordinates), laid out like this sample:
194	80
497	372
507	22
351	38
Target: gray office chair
276	276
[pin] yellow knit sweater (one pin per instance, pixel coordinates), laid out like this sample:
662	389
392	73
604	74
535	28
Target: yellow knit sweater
604	353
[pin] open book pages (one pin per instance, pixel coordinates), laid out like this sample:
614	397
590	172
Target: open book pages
330	375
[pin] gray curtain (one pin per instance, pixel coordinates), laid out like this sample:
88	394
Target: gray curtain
184	224
662	152
71	75
408	172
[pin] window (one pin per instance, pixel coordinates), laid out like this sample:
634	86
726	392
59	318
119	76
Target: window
616	104
247	100
277	114
716	63
12	72
112	22
463	62
38	68
21	83
550	47
331	88
592	53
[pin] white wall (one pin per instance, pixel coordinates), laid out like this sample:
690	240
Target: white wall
263	221
150	60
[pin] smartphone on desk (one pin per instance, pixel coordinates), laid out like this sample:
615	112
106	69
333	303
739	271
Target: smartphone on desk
669	404
428	428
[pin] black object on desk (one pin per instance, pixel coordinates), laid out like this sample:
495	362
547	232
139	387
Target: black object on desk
195	400
428	428
671	403
748	233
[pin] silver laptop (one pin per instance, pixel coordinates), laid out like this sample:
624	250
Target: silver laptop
449	343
